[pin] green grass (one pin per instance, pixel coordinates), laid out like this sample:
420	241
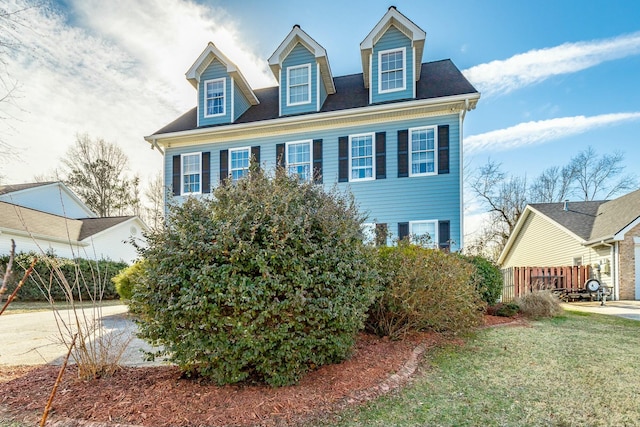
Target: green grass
573	370
17	307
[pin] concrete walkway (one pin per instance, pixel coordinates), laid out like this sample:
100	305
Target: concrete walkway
626	309
34	338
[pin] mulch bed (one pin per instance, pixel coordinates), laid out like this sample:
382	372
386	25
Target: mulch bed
158	396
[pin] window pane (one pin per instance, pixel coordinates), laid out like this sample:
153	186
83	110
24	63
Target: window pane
191	173
298	85
215	97
239	163
299	160
392	71
424	232
423	151
361	157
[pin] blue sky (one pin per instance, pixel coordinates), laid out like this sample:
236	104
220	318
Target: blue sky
555	76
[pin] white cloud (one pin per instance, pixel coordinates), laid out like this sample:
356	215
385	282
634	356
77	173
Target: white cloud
503	76
112	69
538	132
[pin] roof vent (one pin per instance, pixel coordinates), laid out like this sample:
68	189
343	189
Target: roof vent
296	26
565	206
392	7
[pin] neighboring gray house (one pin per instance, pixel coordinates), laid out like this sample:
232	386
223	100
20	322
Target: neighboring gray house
604	234
48	216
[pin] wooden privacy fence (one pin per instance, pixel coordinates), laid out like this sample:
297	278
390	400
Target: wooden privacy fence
519	281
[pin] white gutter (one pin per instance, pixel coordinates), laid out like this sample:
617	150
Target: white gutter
305	118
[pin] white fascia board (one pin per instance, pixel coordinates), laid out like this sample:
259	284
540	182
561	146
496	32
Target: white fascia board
451	103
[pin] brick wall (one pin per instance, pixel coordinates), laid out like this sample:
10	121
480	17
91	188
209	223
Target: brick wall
628	265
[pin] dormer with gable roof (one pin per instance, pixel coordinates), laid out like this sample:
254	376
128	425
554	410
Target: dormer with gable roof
223	92
391	58
302	68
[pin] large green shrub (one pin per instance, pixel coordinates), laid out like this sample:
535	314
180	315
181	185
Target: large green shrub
488	279
424	289
127	278
264	281
89	280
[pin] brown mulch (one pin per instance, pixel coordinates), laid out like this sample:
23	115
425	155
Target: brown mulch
158	396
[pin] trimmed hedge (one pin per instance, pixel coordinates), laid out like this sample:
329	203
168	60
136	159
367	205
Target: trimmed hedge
264	281
89	279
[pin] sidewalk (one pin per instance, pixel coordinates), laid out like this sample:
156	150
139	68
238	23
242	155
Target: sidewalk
626	309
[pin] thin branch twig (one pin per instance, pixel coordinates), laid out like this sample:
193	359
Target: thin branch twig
22	282
57	383
7	272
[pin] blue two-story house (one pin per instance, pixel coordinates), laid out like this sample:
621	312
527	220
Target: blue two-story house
392	135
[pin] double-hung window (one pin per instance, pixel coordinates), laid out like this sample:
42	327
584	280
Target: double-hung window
239	161
361	157
392	66
424	232
299	84
423	145
299	159
214	97
191	173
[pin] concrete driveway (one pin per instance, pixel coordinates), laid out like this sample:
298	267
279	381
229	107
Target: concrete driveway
626	309
34	339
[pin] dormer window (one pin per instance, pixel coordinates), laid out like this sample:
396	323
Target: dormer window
299	85
214	97
392	75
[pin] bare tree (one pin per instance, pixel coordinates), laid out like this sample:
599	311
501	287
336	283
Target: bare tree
600	176
504	196
96	170
553	185
155	194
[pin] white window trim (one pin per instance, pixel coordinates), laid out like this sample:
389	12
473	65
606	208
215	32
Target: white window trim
435	239
233	150
404	70
289	69
373	157
224	97
286	155
435	151
368	233
182	156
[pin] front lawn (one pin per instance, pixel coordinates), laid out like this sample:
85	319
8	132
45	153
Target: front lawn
575	370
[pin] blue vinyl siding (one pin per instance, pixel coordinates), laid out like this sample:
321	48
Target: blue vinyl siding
392	39
240	102
215	70
298	56
391	200
323	93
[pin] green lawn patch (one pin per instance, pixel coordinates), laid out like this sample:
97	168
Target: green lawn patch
573	370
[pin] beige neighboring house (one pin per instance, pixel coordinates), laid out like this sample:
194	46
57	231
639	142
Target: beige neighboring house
604	234
48	216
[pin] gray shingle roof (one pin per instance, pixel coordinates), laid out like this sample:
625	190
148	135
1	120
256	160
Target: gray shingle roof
578	218
595	220
438	79
92	226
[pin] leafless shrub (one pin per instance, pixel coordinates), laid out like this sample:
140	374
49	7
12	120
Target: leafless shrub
539	304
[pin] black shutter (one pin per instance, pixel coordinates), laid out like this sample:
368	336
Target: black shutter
403	230
444	235
381	234
317	161
403	153
343	159
224	165
381	155
255	154
280	160
443	149
176	175
206	172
